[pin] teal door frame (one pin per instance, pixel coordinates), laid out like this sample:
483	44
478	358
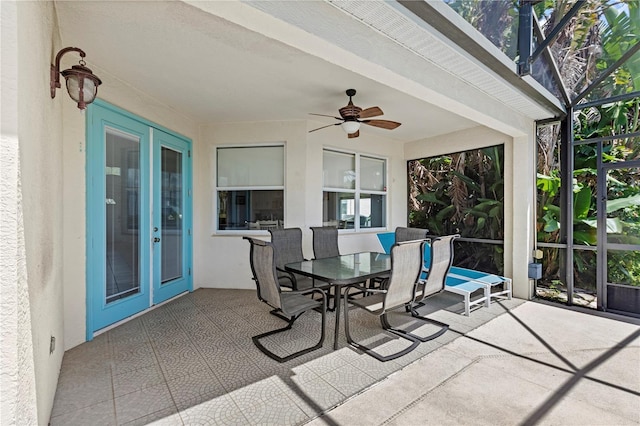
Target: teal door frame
100	116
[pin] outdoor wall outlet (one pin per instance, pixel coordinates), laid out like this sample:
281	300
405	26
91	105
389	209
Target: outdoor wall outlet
52	345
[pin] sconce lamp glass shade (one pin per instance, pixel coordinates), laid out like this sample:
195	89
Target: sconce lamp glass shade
82	85
350	126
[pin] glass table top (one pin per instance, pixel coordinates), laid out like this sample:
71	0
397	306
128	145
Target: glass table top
345	269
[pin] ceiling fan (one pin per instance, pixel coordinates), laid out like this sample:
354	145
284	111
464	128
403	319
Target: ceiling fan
351	116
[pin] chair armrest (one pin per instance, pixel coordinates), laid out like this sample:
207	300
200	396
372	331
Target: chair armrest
376	290
309	291
312	290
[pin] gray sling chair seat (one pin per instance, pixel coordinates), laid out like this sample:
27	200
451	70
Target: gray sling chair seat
406	267
287	243
288	305
439	265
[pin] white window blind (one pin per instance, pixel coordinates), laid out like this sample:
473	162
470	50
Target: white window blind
251	166
339	170
372	174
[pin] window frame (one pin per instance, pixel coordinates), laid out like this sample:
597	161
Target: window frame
358	191
218	189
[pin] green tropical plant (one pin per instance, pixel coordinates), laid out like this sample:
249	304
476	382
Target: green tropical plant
462	193
595	38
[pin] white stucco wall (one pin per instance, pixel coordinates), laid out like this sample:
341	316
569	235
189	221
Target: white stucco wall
17	372
519	204
222	261
40	142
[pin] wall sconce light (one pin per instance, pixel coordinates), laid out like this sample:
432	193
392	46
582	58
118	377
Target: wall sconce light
82	85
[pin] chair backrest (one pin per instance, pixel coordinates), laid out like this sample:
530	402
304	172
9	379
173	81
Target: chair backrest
263	268
410	234
287	243
406	265
441	260
325	241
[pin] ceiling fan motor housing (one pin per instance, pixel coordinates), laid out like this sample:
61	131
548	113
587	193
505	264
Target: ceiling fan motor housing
350	112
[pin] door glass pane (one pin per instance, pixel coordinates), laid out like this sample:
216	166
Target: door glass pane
122	177
172	208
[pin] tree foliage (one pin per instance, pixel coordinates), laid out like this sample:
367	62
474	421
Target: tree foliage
595	39
462	193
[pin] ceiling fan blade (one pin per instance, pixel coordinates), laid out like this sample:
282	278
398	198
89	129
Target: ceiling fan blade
384	124
323	127
370	112
324	115
354	135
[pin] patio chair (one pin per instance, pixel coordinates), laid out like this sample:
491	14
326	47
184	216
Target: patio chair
287	243
268	224
440	262
401	234
406	266
288	305
325	242
410	234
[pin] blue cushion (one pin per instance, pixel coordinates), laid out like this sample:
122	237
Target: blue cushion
387	239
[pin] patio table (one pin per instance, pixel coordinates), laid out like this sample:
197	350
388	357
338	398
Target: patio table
344	270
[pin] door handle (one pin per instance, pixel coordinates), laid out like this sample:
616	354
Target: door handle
156	240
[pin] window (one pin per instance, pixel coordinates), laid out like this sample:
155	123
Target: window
250	187
354	191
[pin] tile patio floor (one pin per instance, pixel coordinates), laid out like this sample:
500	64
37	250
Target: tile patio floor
192	361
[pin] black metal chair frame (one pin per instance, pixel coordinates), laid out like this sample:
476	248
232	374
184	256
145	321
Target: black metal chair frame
272	295
441	252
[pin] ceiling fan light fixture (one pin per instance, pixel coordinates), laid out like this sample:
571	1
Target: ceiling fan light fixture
350	126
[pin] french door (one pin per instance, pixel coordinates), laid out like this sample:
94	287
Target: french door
138	215
620	239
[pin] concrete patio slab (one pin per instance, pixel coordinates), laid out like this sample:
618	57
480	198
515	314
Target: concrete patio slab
537	364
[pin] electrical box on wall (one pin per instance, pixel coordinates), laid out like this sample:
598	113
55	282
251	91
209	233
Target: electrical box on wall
535	271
